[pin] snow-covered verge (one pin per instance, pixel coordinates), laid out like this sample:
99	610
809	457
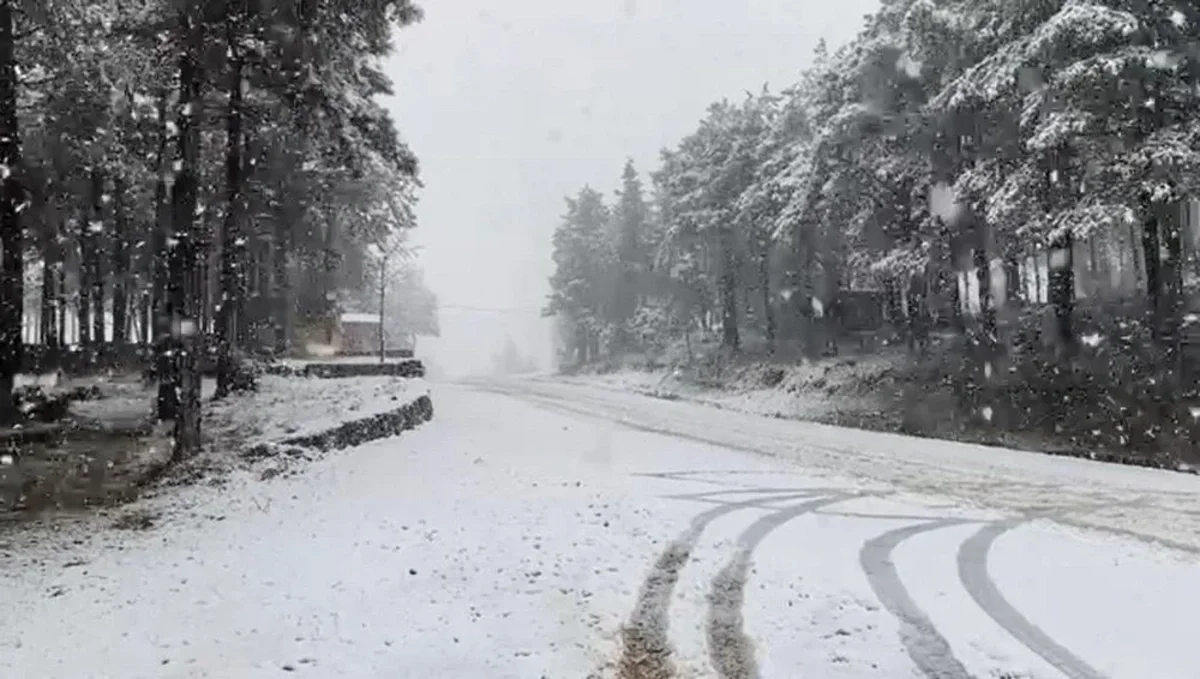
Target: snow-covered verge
285	407
293	419
886	391
112	451
803	391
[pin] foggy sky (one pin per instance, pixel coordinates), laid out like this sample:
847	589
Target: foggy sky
511	106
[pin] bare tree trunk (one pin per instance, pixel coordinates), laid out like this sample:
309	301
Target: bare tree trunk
12	278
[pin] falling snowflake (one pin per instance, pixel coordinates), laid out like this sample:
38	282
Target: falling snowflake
908	66
943	203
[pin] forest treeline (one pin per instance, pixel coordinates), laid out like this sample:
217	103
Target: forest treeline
195	175
958	162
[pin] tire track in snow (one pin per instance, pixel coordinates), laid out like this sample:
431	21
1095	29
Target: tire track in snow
973	572
731	651
646	652
927	648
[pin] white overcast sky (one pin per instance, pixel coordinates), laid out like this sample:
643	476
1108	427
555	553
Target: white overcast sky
510	106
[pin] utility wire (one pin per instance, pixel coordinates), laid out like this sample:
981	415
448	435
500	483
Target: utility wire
490	310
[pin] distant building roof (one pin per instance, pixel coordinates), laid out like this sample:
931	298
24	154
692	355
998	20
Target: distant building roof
360	318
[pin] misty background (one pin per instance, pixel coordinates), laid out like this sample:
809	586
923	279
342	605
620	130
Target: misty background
512	107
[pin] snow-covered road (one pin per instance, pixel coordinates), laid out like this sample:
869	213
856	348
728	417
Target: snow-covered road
541	530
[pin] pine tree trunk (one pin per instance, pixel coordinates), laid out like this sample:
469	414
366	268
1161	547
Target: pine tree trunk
247	318
184	299
893	301
329	282
730	337
1062	289
49	301
919	315
1172	288
282	284
262	295
146	317
233	274
1150	254
12	292
297	58
1012	281
1061	262
949	281
167	402
83	308
60	289
120	265
987	339
46	329
1173	296
95	270
764	283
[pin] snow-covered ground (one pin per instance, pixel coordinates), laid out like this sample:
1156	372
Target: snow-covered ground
289	406
530	523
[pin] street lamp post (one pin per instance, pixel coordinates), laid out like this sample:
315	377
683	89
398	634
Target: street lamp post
385	253
382	292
